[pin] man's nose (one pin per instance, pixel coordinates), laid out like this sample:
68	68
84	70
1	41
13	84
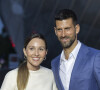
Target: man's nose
63	33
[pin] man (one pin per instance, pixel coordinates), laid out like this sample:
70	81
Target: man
78	66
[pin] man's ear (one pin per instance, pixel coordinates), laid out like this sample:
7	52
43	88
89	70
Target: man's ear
77	28
55	30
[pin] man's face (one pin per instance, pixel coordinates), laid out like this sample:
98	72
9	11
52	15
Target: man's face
66	32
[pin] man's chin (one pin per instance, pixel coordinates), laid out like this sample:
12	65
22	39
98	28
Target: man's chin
66	45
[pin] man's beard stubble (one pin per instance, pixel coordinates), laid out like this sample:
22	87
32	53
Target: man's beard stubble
69	44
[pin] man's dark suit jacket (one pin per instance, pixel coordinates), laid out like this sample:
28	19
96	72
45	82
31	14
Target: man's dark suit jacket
86	71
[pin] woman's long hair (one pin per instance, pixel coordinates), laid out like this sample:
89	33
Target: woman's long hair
23	72
22	77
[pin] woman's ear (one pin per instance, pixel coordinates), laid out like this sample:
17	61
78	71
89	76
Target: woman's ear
24	51
46	51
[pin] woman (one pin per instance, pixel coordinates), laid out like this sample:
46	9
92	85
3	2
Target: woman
30	75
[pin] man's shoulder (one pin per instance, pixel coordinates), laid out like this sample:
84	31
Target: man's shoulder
91	49
56	59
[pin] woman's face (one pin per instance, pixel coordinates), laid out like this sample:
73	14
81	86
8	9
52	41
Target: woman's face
35	53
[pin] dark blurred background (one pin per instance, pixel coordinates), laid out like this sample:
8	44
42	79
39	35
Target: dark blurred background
19	18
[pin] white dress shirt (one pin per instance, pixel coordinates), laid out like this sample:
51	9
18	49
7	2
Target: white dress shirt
66	66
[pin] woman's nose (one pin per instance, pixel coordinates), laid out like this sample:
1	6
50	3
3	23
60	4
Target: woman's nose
36	52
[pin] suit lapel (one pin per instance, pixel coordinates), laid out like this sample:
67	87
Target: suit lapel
78	64
56	72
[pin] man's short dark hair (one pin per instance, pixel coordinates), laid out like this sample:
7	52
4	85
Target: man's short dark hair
65	14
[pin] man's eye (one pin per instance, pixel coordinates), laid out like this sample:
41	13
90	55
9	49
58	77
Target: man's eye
67	29
59	29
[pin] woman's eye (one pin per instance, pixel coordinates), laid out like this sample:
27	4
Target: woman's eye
41	49
31	48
